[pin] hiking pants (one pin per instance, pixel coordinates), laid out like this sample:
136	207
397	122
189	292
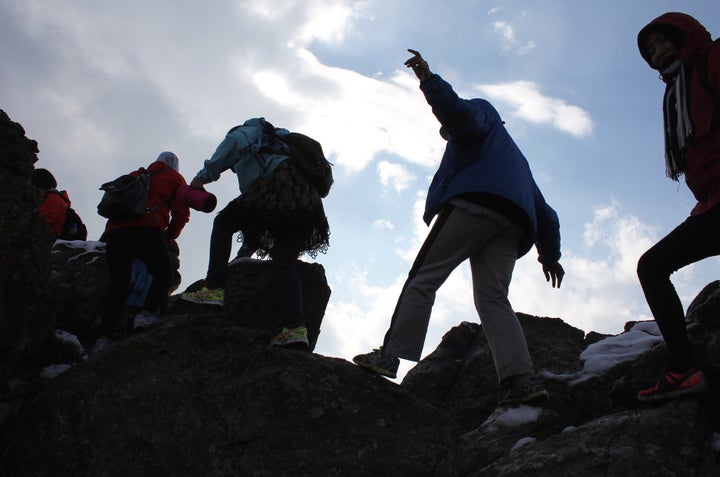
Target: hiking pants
147	244
693	240
284	254
491	245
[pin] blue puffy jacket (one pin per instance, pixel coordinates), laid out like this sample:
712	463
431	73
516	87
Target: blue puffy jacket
481	159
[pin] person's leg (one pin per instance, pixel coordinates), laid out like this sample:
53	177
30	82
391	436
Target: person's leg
492	269
693	240
227	222
119	259
152	248
456	235
284	256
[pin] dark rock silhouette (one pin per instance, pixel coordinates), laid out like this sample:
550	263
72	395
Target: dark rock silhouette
202	393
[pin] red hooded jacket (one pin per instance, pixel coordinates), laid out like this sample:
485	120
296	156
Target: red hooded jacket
54	206
702	173
163	185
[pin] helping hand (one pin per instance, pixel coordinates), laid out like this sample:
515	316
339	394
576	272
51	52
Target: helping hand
555	272
196	183
419	66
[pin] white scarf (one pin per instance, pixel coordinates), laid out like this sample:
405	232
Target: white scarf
678	129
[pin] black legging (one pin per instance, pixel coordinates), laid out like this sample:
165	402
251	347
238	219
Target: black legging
284	254
147	244
693	240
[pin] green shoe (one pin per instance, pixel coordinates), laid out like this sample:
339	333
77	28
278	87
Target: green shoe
378	363
205	296
295	338
527	389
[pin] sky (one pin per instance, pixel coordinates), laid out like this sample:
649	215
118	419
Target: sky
104	87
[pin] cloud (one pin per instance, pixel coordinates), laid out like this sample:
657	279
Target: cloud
527	102
395	175
510	42
383	224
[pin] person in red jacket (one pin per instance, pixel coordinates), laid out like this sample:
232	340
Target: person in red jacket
682	50
55	203
145	238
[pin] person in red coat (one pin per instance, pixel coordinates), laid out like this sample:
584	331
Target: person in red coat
55	203
682	50
145	238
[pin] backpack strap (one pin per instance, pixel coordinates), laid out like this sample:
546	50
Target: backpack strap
161	204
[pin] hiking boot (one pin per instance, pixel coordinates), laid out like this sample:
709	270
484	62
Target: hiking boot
378	362
205	296
673	385
295	338
526	389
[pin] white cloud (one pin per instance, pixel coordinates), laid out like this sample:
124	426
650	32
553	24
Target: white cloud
527	102
395	175
505	30
510	41
383	224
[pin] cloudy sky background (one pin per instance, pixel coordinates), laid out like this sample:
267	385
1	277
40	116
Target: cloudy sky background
105	86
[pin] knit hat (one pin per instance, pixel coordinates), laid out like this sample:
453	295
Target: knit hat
43	179
170	159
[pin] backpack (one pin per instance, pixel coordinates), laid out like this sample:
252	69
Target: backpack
73	228
126	197
308	157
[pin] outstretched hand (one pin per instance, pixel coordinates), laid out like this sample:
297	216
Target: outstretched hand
196	183
419	66
554	272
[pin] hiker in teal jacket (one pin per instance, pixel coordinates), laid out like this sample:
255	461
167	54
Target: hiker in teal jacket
278	214
489	211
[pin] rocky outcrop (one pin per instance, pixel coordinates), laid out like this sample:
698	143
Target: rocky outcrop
201	392
27	316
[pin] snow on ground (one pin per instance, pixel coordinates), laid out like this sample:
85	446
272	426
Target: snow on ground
600	357
522	442
518	415
54	370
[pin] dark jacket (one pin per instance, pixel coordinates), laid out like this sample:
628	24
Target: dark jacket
695	45
482	163
163	185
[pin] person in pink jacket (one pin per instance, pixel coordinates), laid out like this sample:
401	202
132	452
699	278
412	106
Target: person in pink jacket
682	50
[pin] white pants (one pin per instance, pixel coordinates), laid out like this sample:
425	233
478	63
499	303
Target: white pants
491	245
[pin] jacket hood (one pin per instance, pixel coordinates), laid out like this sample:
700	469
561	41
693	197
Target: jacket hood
690	37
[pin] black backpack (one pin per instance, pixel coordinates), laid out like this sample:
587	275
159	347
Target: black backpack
307	155
310	160
73	228
126	197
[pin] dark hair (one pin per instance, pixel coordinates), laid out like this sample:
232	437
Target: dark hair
43	179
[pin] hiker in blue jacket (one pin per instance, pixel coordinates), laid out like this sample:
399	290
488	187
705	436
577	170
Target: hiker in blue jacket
278	214
490	211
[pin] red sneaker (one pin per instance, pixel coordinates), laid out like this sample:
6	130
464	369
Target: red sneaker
673	385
